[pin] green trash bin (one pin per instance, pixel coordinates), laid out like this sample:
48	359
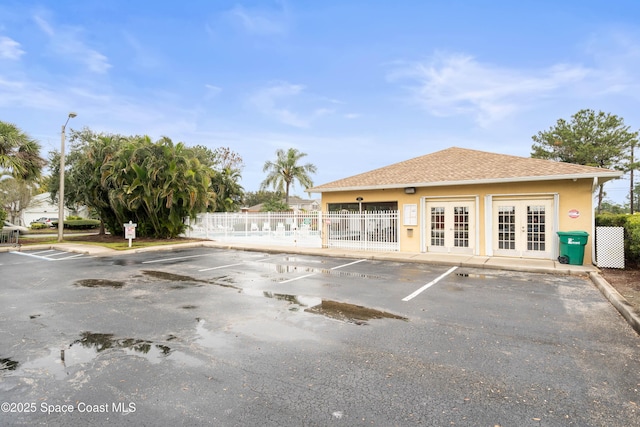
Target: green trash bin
572	245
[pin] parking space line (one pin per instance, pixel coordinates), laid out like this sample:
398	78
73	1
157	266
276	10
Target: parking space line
70	257
57	254
313	274
173	259
428	285
346	265
43	252
221	266
32	256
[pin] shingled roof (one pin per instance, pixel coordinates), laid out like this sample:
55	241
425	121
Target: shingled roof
456	166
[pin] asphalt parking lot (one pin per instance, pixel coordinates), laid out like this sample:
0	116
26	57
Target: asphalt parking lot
232	338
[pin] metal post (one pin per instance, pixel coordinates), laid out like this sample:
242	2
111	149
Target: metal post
61	189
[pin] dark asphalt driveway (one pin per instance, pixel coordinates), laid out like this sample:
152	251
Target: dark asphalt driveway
207	336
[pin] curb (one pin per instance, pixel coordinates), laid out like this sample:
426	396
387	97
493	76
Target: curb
618	301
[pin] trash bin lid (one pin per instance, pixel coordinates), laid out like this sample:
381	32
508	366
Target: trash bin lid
572	233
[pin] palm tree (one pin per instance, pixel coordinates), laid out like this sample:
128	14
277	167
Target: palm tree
285	170
227	189
157	185
19	153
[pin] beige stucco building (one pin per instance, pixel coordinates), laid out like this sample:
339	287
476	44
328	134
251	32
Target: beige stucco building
466	201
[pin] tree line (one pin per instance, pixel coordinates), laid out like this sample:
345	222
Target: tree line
157	184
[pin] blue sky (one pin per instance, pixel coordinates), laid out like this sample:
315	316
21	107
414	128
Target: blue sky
355	84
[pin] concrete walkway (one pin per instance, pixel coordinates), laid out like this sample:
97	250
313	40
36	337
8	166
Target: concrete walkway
528	265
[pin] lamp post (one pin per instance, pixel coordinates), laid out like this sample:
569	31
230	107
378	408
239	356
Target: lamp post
61	191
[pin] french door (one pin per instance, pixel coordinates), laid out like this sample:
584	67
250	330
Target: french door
450	226
523	228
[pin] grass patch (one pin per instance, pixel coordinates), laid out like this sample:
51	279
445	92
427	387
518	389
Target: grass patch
118	243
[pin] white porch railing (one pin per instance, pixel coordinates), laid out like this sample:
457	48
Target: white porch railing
374	231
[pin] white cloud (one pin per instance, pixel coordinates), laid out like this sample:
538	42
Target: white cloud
143	55
23	93
66	41
269	102
261	22
616	54
458	84
10	49
212	90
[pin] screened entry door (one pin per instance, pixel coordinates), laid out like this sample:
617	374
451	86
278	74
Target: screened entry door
523	228
450	227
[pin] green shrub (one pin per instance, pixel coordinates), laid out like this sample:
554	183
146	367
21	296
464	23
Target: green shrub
73	218
611	220
81	224
38	226
632	246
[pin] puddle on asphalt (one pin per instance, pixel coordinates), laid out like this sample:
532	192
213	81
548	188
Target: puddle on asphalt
474	276
297	301
89	347
102	342
345	312
99	283
281	268
351	313
124	262
163	275
224	281
210	339
8	365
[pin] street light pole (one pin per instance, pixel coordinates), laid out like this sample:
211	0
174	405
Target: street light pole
61	190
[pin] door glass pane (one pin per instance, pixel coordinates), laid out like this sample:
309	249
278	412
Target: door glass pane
535	228
506	227
461	226
437	226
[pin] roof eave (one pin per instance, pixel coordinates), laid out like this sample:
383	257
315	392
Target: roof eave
603	177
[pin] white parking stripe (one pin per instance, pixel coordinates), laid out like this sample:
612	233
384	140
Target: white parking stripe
173	259
428	285
70	257
313	274
345	265
43	252
32	256
58	254
221	266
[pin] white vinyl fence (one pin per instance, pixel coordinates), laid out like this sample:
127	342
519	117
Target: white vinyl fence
375	231
265	228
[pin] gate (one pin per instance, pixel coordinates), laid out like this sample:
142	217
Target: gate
9	238
367	231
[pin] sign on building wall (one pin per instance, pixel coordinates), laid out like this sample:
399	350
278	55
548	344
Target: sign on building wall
410	214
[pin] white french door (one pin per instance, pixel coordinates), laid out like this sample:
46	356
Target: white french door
450	226
523	228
